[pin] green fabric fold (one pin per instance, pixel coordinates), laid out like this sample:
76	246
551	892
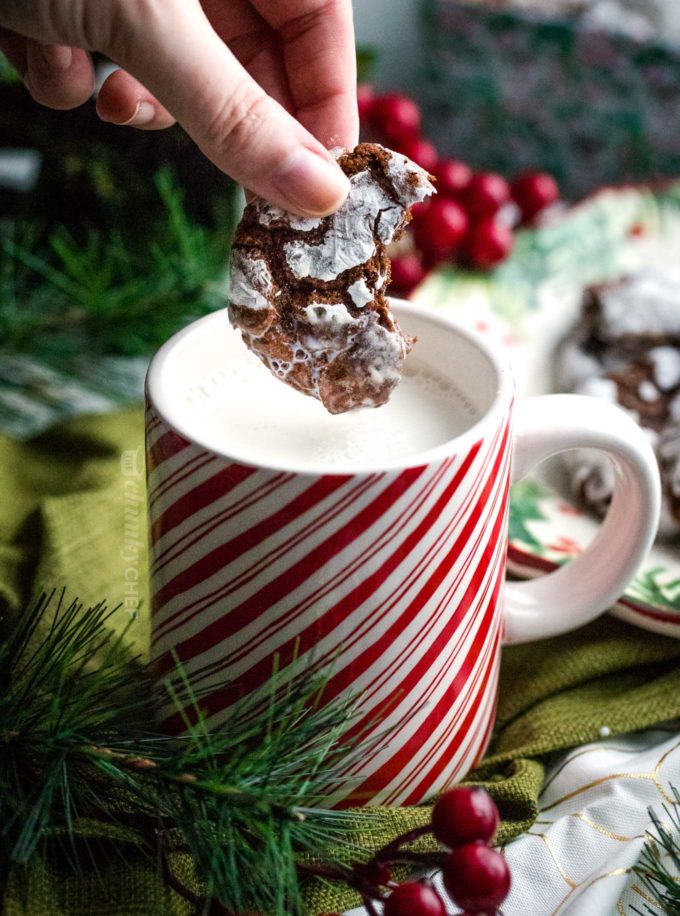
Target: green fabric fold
73	516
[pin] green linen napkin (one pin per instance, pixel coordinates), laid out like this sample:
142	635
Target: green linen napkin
73	514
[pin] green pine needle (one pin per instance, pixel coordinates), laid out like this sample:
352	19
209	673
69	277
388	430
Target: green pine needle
659	865
7	73
77	741
111	293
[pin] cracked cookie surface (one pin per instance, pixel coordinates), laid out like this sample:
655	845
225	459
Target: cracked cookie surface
309	294
626	350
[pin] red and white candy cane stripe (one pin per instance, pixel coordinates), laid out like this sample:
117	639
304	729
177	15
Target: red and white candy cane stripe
393	579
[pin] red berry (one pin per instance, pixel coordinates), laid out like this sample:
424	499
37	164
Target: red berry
463	815
407	272
485	194
533	192
365	101
418	209
488	243
414	899
397	117
452	177
476	877
422	153
440	229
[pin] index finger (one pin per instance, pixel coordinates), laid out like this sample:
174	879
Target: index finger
320	58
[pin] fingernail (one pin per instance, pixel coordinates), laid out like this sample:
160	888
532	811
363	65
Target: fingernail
144	113
312	184
56	57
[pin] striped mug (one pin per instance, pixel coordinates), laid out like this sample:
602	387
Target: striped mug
387	572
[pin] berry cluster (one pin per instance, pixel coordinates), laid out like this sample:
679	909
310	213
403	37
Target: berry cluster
471	220
476	877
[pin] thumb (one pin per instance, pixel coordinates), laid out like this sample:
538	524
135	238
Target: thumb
247	134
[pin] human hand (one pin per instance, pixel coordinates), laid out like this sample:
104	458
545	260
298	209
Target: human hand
262	86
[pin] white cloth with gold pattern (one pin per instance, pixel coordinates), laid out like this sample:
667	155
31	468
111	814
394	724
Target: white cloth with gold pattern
576	859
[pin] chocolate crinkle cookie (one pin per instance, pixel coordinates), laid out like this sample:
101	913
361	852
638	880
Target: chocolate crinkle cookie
626	350
309	294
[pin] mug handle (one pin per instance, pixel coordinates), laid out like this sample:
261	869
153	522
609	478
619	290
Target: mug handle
577	593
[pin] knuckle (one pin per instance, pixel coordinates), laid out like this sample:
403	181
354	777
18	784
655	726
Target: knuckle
89	24
114	27
88	21
111	33
311	14
48	22
238	121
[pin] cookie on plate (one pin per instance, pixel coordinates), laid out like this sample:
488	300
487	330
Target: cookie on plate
639	309
309	294
626	350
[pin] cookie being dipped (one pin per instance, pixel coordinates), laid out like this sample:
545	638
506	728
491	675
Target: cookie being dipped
309	294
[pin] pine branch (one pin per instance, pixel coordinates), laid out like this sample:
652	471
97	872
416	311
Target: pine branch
111	293
76	741
7	73
659	865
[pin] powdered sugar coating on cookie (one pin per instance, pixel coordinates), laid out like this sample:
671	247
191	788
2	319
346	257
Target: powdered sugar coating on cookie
360	293
251	284
329	332
328	313
666	362
643	304
369	215
626	350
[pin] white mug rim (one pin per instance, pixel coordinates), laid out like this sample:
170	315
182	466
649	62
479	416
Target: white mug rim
500	405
